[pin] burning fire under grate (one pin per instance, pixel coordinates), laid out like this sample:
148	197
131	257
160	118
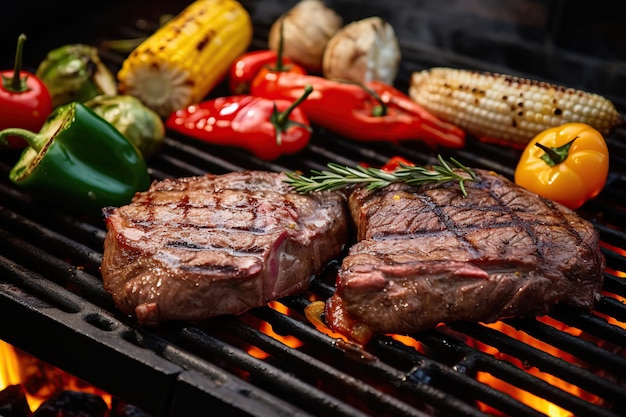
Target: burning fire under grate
272	361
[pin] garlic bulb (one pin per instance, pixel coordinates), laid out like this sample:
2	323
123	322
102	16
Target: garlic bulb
307	28
362	51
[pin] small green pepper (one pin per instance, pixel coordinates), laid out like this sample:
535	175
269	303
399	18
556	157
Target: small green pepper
79	160
140	124
75	73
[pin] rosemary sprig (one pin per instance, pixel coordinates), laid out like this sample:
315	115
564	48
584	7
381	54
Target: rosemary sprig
338	176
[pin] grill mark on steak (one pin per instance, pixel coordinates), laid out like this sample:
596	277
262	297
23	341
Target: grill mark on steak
198	247
445	220
426	255
517	221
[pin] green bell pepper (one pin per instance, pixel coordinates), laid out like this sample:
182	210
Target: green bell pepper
79	160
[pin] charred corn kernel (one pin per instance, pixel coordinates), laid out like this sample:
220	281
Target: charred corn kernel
507	109
186	58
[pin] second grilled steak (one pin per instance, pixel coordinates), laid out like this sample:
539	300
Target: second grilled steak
428	255
193	248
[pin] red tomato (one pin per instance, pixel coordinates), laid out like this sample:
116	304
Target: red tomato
25	101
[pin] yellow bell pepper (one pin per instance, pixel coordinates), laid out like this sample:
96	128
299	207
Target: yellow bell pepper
568	164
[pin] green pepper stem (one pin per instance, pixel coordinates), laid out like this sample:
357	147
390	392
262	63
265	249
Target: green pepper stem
280	66
34	140
283	116
379	110
554	156
281	121
16	83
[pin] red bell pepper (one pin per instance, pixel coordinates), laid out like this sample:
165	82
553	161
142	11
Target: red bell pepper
267	128
25	101
371	112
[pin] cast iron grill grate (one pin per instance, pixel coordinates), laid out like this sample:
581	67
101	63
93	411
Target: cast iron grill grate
55	308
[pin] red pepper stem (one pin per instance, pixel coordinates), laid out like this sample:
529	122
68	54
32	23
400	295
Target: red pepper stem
16	81
554	156
283	116
34	140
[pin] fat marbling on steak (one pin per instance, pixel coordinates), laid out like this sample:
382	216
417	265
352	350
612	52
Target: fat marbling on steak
196	247
428	255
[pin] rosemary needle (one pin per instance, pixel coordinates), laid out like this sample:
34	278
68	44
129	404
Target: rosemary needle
338	176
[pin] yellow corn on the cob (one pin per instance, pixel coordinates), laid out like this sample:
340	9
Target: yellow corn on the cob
507	109
186	58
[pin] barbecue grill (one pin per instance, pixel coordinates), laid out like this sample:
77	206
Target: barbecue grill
54	307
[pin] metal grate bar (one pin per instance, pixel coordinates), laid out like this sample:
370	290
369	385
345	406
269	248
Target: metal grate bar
612	308
316	370
519	378
376	367
545	362
281	382
458	379
55	269
591	324
54	242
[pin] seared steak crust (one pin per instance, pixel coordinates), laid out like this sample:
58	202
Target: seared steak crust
197	247
428	255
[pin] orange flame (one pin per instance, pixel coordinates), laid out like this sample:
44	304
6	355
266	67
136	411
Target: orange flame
266	328
18	367
408	341
540	404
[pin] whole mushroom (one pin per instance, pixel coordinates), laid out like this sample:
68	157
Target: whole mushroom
307	28
363	51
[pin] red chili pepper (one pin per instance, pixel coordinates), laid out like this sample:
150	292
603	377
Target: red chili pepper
246	67
370	112
267	128
25	101
395	162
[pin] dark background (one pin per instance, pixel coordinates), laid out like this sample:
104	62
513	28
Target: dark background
577	43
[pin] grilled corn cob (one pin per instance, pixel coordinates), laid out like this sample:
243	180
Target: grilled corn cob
507	109
186	58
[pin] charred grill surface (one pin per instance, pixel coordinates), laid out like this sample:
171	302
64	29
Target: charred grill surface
571	359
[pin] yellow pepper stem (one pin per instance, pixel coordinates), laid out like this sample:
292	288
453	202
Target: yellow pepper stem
554	156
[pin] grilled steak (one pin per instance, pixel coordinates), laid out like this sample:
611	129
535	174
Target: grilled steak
427	255
197	247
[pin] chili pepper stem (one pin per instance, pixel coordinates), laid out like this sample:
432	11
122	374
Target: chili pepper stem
554	156
34	140
279	53
281	121
282	117
16	83
379	110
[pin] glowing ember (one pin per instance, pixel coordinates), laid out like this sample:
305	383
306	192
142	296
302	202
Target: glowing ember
9	366
525	397
408	341
40	380
267	329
